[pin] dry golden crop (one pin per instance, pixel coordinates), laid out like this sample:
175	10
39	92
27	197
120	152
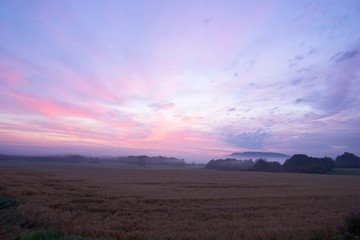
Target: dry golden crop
180	204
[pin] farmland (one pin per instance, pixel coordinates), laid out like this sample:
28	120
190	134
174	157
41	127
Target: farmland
176	204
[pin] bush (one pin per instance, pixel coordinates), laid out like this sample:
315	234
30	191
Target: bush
350	229
42	235
6	202
47	234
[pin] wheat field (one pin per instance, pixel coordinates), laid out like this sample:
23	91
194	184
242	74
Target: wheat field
178	204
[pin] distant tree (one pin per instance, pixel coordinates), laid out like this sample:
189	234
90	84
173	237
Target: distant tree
295	162
211	164
347	160
260	165
142	160
246	164
229	164
327	162
223	164
304	164
263	166
313	168
274	166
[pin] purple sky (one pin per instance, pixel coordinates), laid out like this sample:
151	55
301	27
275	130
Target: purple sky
192	79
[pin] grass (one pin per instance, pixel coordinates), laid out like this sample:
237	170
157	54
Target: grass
180	204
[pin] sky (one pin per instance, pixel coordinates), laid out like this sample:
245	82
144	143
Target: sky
190	79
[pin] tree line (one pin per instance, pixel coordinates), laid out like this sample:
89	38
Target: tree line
144	160
141	160
299	163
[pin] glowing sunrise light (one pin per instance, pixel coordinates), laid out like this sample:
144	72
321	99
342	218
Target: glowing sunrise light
194	78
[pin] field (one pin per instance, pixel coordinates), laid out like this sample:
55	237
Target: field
176	204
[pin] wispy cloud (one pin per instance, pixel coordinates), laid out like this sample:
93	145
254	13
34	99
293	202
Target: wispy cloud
248	139
160	106
141	77
342	56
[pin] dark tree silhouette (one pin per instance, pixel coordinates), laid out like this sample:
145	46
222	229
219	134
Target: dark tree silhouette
263	166
260	165
305	164
347	160
229	164
142	160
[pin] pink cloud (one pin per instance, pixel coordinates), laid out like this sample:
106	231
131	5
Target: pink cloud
162	106
47	106
10	77
182	140
189	118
